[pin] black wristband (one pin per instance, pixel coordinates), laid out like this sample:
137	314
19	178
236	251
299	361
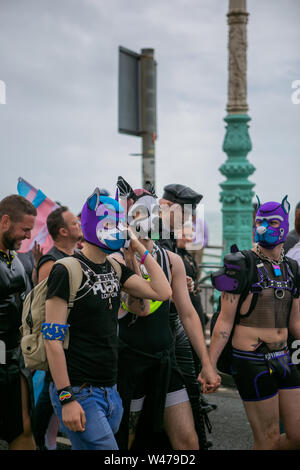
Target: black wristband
65	395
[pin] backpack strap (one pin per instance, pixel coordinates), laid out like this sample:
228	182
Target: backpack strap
294	271
251	259
74	269
164	257
116	266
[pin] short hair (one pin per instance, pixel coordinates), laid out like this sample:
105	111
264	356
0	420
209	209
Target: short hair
16	207
297	223
55	221
297	206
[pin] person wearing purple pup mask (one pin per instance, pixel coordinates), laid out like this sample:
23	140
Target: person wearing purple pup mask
83	392
259	313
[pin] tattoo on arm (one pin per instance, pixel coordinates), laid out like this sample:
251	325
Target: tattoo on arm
124	297
133	421
129	300
132	299
228	296
224	334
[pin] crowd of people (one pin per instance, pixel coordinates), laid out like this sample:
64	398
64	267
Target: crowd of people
136	369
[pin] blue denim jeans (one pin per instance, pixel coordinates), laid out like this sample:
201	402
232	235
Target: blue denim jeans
103	411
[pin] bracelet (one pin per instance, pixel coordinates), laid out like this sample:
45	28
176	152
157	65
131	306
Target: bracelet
65	395
144	256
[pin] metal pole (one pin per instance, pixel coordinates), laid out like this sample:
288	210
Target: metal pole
148	114
236	195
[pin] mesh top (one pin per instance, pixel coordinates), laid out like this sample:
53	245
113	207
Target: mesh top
270	311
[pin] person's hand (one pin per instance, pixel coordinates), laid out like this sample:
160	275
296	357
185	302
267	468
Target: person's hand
135	245
209	379
190	283
73	416
37	252
129	256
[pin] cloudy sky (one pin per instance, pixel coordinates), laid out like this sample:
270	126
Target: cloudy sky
59	126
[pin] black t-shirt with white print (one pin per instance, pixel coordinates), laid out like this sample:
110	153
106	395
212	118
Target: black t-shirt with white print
93	346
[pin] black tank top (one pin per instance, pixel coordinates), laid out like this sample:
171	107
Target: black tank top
54	254
152	333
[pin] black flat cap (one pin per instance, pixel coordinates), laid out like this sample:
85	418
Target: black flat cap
181	195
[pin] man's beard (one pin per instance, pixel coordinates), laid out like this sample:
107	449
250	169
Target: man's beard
9	242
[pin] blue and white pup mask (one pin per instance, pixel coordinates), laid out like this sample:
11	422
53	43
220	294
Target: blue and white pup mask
102	222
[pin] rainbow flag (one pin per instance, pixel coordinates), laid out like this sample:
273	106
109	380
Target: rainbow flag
44	206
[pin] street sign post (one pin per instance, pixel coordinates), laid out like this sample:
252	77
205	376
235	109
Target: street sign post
137	103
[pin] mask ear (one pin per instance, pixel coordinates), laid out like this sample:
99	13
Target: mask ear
125	189
285	204
93	200
258	201
150	188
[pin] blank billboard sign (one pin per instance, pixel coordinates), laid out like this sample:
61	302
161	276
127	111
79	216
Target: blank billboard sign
129	92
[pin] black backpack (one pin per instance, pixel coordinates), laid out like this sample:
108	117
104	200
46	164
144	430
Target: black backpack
224	361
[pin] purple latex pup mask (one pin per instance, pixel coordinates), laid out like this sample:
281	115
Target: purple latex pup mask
266	235
102	222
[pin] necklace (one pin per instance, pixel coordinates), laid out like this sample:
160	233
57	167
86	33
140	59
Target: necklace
275	264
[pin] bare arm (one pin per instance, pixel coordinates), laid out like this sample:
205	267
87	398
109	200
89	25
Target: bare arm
72	413
37	252
294	325
44	270
192	324
56	312
223	326
187	313
158	288
135	305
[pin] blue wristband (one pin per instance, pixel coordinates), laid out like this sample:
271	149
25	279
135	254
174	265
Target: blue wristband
144	256
54	331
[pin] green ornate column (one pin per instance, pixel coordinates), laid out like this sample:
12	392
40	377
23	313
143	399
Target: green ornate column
236	195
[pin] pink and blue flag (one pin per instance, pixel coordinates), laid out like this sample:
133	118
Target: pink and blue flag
44	206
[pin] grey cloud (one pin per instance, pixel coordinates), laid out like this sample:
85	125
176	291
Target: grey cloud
59	61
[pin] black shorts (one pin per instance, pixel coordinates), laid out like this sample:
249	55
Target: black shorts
11	419
259	375
177	392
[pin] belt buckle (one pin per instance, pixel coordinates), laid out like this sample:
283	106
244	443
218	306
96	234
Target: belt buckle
82	386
